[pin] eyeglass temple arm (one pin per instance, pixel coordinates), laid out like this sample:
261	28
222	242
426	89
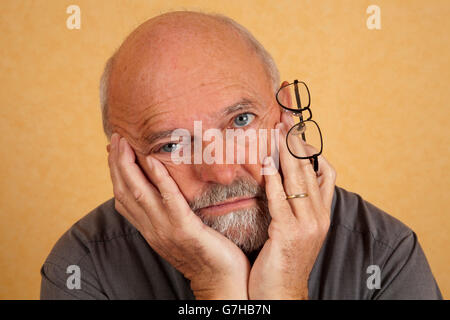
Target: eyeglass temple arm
297	95
315	163
299	105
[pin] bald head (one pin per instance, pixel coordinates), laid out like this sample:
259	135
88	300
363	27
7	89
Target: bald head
169	51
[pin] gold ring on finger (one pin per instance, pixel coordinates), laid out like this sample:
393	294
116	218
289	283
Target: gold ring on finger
298	195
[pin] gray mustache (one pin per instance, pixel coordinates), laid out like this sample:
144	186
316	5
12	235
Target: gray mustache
218	193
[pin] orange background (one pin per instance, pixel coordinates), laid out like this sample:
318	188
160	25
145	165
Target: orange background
381	98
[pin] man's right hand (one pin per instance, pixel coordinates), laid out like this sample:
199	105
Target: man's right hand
216	267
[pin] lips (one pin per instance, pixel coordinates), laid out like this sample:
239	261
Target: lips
229	205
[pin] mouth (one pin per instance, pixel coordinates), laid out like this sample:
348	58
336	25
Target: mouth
229	205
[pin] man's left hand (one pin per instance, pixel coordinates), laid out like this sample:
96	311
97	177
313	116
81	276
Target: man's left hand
299	225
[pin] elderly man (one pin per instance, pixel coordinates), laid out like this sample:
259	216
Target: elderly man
223	230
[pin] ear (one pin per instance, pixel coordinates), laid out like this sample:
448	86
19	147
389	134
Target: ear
285	96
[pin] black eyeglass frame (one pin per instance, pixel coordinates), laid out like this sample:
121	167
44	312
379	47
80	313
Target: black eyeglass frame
298	112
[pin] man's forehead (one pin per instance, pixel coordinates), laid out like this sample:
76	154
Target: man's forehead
148	66
196	96
166	86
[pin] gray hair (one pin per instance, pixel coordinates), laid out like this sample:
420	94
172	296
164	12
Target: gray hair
266	58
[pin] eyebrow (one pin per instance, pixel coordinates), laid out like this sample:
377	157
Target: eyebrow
241	105
238	106
159	135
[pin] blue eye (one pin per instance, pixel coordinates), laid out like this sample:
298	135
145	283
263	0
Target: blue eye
169	147
243	119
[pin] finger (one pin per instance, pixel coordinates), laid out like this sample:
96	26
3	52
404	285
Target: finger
121	192
140	189
294	178
296	144
279	208
159	194
177	207
326	177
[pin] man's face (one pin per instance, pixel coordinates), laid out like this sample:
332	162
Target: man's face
222	84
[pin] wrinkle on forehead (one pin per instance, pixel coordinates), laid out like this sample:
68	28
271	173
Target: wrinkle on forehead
175	112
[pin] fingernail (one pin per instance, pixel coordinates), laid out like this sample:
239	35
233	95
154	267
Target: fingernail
122	145
114	140
288	119
280	126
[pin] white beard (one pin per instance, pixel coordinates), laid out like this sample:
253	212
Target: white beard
247	228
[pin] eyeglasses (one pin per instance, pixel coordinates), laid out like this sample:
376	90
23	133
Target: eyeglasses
299	90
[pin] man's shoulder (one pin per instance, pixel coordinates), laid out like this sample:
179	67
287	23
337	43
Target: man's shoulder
356	215
102	224
114	260
363	236
77	247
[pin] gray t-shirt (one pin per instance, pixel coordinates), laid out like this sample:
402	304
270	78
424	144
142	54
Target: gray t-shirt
367	254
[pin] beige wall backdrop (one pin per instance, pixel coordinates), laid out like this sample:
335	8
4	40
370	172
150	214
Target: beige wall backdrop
381	98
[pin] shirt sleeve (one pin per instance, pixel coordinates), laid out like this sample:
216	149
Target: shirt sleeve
406	274
54	281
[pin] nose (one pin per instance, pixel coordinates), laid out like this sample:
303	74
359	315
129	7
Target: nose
223	174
